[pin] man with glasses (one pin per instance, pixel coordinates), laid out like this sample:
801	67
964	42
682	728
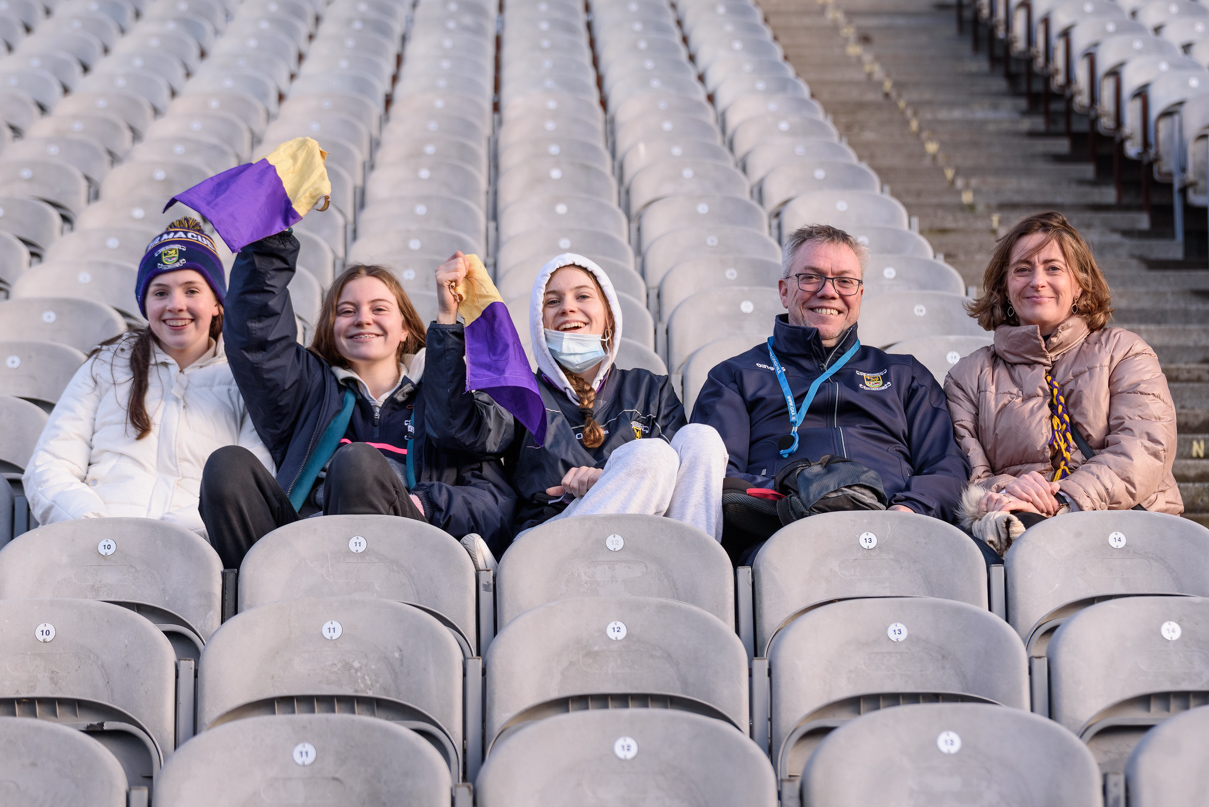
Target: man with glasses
813	390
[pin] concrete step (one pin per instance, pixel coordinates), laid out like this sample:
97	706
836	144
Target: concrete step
1193	446
1195	373
1192	472
1199	518
1196	496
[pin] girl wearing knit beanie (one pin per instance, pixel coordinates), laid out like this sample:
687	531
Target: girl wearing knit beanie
133	430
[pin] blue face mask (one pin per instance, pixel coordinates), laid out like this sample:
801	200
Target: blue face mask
575	352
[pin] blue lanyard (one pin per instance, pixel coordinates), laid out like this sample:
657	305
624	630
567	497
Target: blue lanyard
796	416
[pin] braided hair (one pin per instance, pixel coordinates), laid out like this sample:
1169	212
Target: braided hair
593	434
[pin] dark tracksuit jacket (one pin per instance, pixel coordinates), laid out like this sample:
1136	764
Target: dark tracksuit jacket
630	402
884	411
292	395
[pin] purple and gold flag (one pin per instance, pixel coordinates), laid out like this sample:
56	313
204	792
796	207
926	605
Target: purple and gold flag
253	201
495	358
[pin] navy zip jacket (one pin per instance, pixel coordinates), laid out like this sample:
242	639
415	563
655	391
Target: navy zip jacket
292	395
629	402
884	411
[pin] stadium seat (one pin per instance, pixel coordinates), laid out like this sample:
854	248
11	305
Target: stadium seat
804	176
132	109
82	324
1167	768
711	314
213	156
14	258
163	571
887	240
627	756
697	366
657	104
95	667
948	755
43	763
35	222
939	353
568	148
424	177
613	556
687	278
1065	564
547	175
613	652
1121	666
837	662
751	106
37	371
321	655
896	273
103	281
124	245
762	130
89	156
701	241
724	67
51	180
555	210
853	211
156	178
689	128
670	148
531	250
741	86
767	157
682	212
847	555
217	125
909	314
423	242
339	758
241	106
365	556
140	213
683	178
21	423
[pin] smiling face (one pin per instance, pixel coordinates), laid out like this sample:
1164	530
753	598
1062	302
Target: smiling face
824	309
574	303
1041	286
369	325
180	307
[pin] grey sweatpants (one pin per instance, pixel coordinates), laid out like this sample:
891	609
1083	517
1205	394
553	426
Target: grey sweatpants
680	480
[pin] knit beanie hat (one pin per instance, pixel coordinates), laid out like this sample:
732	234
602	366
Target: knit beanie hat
182	246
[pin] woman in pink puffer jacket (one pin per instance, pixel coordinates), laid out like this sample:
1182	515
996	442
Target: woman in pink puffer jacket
1056	375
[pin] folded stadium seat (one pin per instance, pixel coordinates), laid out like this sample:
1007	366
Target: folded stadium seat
1163	93
845	555
554	124
103	281
82	18
1050	32
448	45
634	86
670	149
550	211
705	13
1113	52
51	180
416	212
61	65
318	655
339	83
688	277
951	754
683	178
848	210
425	177
552	103
1166	97
640	46
1063	565
1168	13
21	423
724	67
18	109
939	353
1186	34
163	571
534	247
613	652
247	21
1120	667
707	240
742	86
449	122
240	105
660	105
791	180
124	245
893	273
28	12
14	258
727	34
89	156
1080	34
517	281
629	754
96	667
109	131
221	127
1124	119
303	12
213	156
401	148
416	81
135	111
771	127
665	558
247	81
408	110
142	83
712	313
1168	766
85	46
164	179
155	42
348	758
276	44
35	222
528	66
166	17
639	327
910	314
38	371
889	240
375	556
1194	118
42	763
787	106
1083	42
682	127
519	87
627	70
137	214
82	324
834	663
682	212
422	243
695	370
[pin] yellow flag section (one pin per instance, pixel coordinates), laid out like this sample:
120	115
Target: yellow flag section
476	291
302	167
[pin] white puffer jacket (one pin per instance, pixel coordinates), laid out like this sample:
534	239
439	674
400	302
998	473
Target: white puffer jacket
87	463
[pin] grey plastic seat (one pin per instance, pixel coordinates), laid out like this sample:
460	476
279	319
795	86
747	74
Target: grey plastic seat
791	180
124	245
848	210
713	313
520	86
143	213
663	558
562	209
366	761
51	180
80	43
553	103
239	105
742	86
35	756
663	179
37	371
426	176
212	156
82	324
33	221
414	106
671	149
322	127
167	573
681	212
588	152
427	210
837	662
1119	667
652	66
348	105
274	69
629	755
554	124
621	48
628	135
160	41
887	240
895	273
40	85
892	318
553	175
786	106
21	423
645	652
767	158
773	127
222	127
697	366
85	154
938	754
293	657
339	83
439	124
14	258
708	240
382	557
95	667
144	83
845	555
1064	564
695	274
640	85
535	247
394	245
517	282
134	110
724	67
18	109
1167	767
406	149
939	353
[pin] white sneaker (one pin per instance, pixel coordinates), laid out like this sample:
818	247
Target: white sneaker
480	554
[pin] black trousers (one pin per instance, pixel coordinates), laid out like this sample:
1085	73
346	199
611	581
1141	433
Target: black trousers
241	502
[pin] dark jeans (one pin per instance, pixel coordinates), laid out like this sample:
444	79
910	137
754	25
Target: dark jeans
241	502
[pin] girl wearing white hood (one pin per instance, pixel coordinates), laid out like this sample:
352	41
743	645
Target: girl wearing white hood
616	440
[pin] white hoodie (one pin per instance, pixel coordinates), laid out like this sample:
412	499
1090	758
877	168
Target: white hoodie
537	329
88	464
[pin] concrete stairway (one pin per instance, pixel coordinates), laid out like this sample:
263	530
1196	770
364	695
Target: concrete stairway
959	148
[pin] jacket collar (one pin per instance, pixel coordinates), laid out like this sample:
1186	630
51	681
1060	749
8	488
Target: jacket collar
213	354
410	373
1023	344
803	342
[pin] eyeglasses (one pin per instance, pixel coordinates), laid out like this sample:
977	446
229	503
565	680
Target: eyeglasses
844	286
